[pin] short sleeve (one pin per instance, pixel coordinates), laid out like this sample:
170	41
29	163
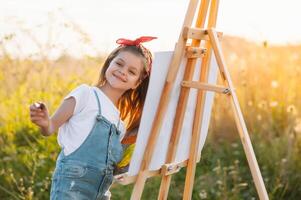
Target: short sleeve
81	93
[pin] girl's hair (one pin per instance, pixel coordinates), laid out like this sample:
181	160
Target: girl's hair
131	102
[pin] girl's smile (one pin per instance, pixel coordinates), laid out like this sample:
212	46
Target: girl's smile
119	76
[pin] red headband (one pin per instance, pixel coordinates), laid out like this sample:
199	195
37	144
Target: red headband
137	42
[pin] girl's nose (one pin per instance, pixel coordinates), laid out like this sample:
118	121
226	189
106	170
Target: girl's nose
122	71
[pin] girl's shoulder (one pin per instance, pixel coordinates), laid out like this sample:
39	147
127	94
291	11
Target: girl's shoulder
84	89
80	92
82	95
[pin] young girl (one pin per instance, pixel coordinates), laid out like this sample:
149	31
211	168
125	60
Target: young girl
90	122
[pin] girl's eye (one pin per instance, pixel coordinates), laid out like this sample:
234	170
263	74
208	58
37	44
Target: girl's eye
132	72
118	63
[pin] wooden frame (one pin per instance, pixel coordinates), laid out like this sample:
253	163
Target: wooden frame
209	38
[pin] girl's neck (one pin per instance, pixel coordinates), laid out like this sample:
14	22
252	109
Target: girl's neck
111	93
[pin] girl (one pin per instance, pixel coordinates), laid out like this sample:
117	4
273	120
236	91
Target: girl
90	122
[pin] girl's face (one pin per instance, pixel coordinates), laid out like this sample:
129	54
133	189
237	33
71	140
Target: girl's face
124	71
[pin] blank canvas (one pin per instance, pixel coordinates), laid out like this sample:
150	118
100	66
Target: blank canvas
157	81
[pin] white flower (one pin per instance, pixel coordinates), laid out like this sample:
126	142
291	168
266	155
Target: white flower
274	84
273	104
259	117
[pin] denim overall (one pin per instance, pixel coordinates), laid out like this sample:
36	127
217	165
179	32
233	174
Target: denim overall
87	173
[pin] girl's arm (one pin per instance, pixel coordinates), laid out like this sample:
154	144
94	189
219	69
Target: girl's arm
49	125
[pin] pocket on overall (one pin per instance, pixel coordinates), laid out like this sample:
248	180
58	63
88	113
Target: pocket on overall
81	182
72	170
74	181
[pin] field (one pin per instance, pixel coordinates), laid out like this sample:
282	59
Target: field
268	84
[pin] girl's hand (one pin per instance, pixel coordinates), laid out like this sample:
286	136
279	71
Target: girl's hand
120	177
39	115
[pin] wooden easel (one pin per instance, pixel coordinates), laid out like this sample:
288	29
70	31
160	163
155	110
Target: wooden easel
205	35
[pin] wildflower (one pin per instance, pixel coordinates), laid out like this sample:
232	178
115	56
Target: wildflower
231	167
297	128
234	145
259	117
250	103
219	182
242	185
284	160
203	194
22	189
262	104
233	172
216	168
292	109
274	84
273	104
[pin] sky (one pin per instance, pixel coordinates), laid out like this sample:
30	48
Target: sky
98	23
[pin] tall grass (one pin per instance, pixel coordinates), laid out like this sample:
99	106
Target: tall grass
268	86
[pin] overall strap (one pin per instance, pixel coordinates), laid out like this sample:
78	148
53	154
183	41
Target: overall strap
99	108
98	103
118	123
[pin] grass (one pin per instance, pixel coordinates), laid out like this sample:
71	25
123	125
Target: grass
268	87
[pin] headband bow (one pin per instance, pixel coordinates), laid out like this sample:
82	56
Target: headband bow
136	42
147	54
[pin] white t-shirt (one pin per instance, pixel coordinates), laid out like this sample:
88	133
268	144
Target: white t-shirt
74	132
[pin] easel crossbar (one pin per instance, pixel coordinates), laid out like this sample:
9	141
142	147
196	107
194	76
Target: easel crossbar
165	170
198	34
206	86
195	52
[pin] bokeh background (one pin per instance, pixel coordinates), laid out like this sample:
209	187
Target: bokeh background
48	48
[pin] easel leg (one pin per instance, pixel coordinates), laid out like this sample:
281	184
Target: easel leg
177	128
139	185
240	123
197	125
198	117
181	107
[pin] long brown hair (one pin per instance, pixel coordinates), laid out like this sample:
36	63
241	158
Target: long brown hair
131	102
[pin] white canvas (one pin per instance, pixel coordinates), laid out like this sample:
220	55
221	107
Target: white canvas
157	81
